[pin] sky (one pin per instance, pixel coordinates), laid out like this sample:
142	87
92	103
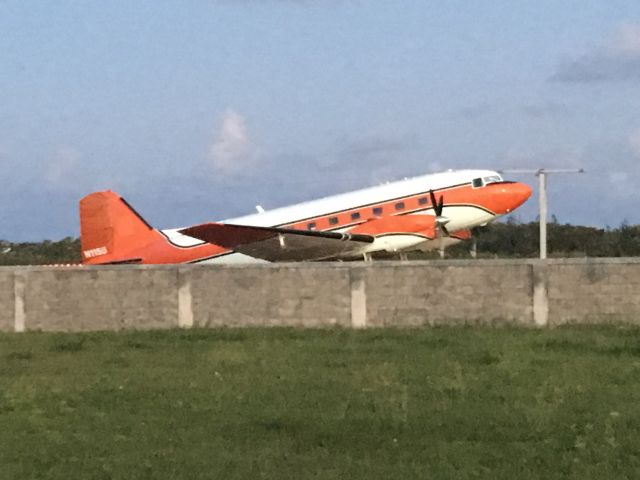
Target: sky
198	110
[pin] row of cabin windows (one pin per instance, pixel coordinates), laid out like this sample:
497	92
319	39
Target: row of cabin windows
377	211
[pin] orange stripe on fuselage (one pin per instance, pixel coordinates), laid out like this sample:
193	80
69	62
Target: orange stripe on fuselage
456	195
496	199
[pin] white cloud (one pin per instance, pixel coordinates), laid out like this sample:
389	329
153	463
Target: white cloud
61	169
232	149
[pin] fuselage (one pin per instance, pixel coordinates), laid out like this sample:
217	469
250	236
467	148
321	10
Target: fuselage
471	198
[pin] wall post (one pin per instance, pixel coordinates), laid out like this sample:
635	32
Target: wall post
540	293
19	290
185	306
358	297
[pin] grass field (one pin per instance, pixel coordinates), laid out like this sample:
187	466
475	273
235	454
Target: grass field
435	403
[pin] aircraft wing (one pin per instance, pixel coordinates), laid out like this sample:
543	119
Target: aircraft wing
277	244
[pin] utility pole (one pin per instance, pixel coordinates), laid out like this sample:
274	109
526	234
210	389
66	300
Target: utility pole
542	206
542	173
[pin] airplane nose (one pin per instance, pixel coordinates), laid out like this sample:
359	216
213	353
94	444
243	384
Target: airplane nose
517	193
522	192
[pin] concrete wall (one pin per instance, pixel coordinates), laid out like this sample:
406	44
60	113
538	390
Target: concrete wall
523	292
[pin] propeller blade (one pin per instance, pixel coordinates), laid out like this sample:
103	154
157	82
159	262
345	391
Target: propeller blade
434	202
438	206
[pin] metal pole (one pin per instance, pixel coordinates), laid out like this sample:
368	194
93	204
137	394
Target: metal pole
542	199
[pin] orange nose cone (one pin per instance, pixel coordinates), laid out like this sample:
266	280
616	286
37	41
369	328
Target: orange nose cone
516	194
502	198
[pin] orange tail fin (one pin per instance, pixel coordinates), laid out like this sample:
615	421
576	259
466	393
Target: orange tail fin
111	231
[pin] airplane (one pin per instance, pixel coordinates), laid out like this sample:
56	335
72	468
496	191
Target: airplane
420	213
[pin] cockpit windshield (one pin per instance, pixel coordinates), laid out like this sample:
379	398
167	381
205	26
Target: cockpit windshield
492	179
481	182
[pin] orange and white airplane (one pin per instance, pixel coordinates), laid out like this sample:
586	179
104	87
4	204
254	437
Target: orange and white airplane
421	213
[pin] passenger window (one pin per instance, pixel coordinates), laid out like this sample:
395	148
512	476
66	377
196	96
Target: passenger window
400	206
423	200
333	221
477	183
355	215
311	226
377	211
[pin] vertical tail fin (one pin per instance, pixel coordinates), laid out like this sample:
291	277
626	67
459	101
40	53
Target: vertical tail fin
111	231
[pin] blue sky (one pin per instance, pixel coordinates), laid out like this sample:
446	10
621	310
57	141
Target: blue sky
198	110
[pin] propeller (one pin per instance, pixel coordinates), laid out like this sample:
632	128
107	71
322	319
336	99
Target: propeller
441	220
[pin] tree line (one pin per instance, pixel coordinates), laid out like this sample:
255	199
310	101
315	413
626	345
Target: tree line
521	240
510	239
46	252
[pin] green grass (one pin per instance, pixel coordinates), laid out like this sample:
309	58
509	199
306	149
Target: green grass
223	404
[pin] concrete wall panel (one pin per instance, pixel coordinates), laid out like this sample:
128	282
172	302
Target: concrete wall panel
101	299
309	295
594	293
432	294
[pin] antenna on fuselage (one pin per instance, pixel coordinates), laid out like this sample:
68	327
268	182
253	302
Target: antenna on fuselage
259	209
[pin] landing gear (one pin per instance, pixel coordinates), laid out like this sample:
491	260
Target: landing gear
474	248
